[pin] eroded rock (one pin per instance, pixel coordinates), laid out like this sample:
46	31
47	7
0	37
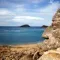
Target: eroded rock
50	55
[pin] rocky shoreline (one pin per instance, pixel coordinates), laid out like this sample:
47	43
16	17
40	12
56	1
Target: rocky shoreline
49	49
21	52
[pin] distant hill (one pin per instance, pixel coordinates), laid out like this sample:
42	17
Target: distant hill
26	25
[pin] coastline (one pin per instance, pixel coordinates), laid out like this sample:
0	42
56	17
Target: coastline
22	46
18	50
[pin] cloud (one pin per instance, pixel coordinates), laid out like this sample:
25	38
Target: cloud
18	18
20	8
48	12
5	12
5	16
27	19
50	9
51	1
36	1
18	12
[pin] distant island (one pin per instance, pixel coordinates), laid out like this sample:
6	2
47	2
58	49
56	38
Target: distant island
26	25
44	26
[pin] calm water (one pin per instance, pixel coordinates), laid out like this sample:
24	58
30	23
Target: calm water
17	35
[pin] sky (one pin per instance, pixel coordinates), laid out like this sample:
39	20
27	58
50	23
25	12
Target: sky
31	12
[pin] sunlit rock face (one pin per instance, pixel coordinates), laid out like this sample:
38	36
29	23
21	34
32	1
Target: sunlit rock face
56	20
53	32
53	41
56	25
50	55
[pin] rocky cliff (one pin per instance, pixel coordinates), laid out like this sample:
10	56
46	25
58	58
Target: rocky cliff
53	41
53	32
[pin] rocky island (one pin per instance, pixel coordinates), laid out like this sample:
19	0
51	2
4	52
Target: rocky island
26	25
49	49
44	26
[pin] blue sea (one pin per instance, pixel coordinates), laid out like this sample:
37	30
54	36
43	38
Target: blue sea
20	35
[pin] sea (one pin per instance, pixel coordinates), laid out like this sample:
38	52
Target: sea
20	35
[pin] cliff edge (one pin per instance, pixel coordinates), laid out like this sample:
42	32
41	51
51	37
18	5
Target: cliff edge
53	41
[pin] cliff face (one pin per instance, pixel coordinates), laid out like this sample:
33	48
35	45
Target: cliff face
54	26
56	20
53	32
53	41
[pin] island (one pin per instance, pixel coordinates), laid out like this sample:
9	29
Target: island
44	26
26	25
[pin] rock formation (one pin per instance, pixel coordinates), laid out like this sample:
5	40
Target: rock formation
50	55
53	41
53	32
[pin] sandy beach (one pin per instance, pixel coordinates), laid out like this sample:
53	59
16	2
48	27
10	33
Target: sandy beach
18	50
26	47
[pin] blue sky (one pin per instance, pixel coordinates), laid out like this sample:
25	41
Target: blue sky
32	12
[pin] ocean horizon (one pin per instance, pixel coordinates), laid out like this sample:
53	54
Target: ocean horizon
20	35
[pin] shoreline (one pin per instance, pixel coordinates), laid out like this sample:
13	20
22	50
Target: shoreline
20	50
31	47
21	44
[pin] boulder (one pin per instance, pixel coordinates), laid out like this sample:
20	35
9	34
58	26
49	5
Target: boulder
26	57
50	55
